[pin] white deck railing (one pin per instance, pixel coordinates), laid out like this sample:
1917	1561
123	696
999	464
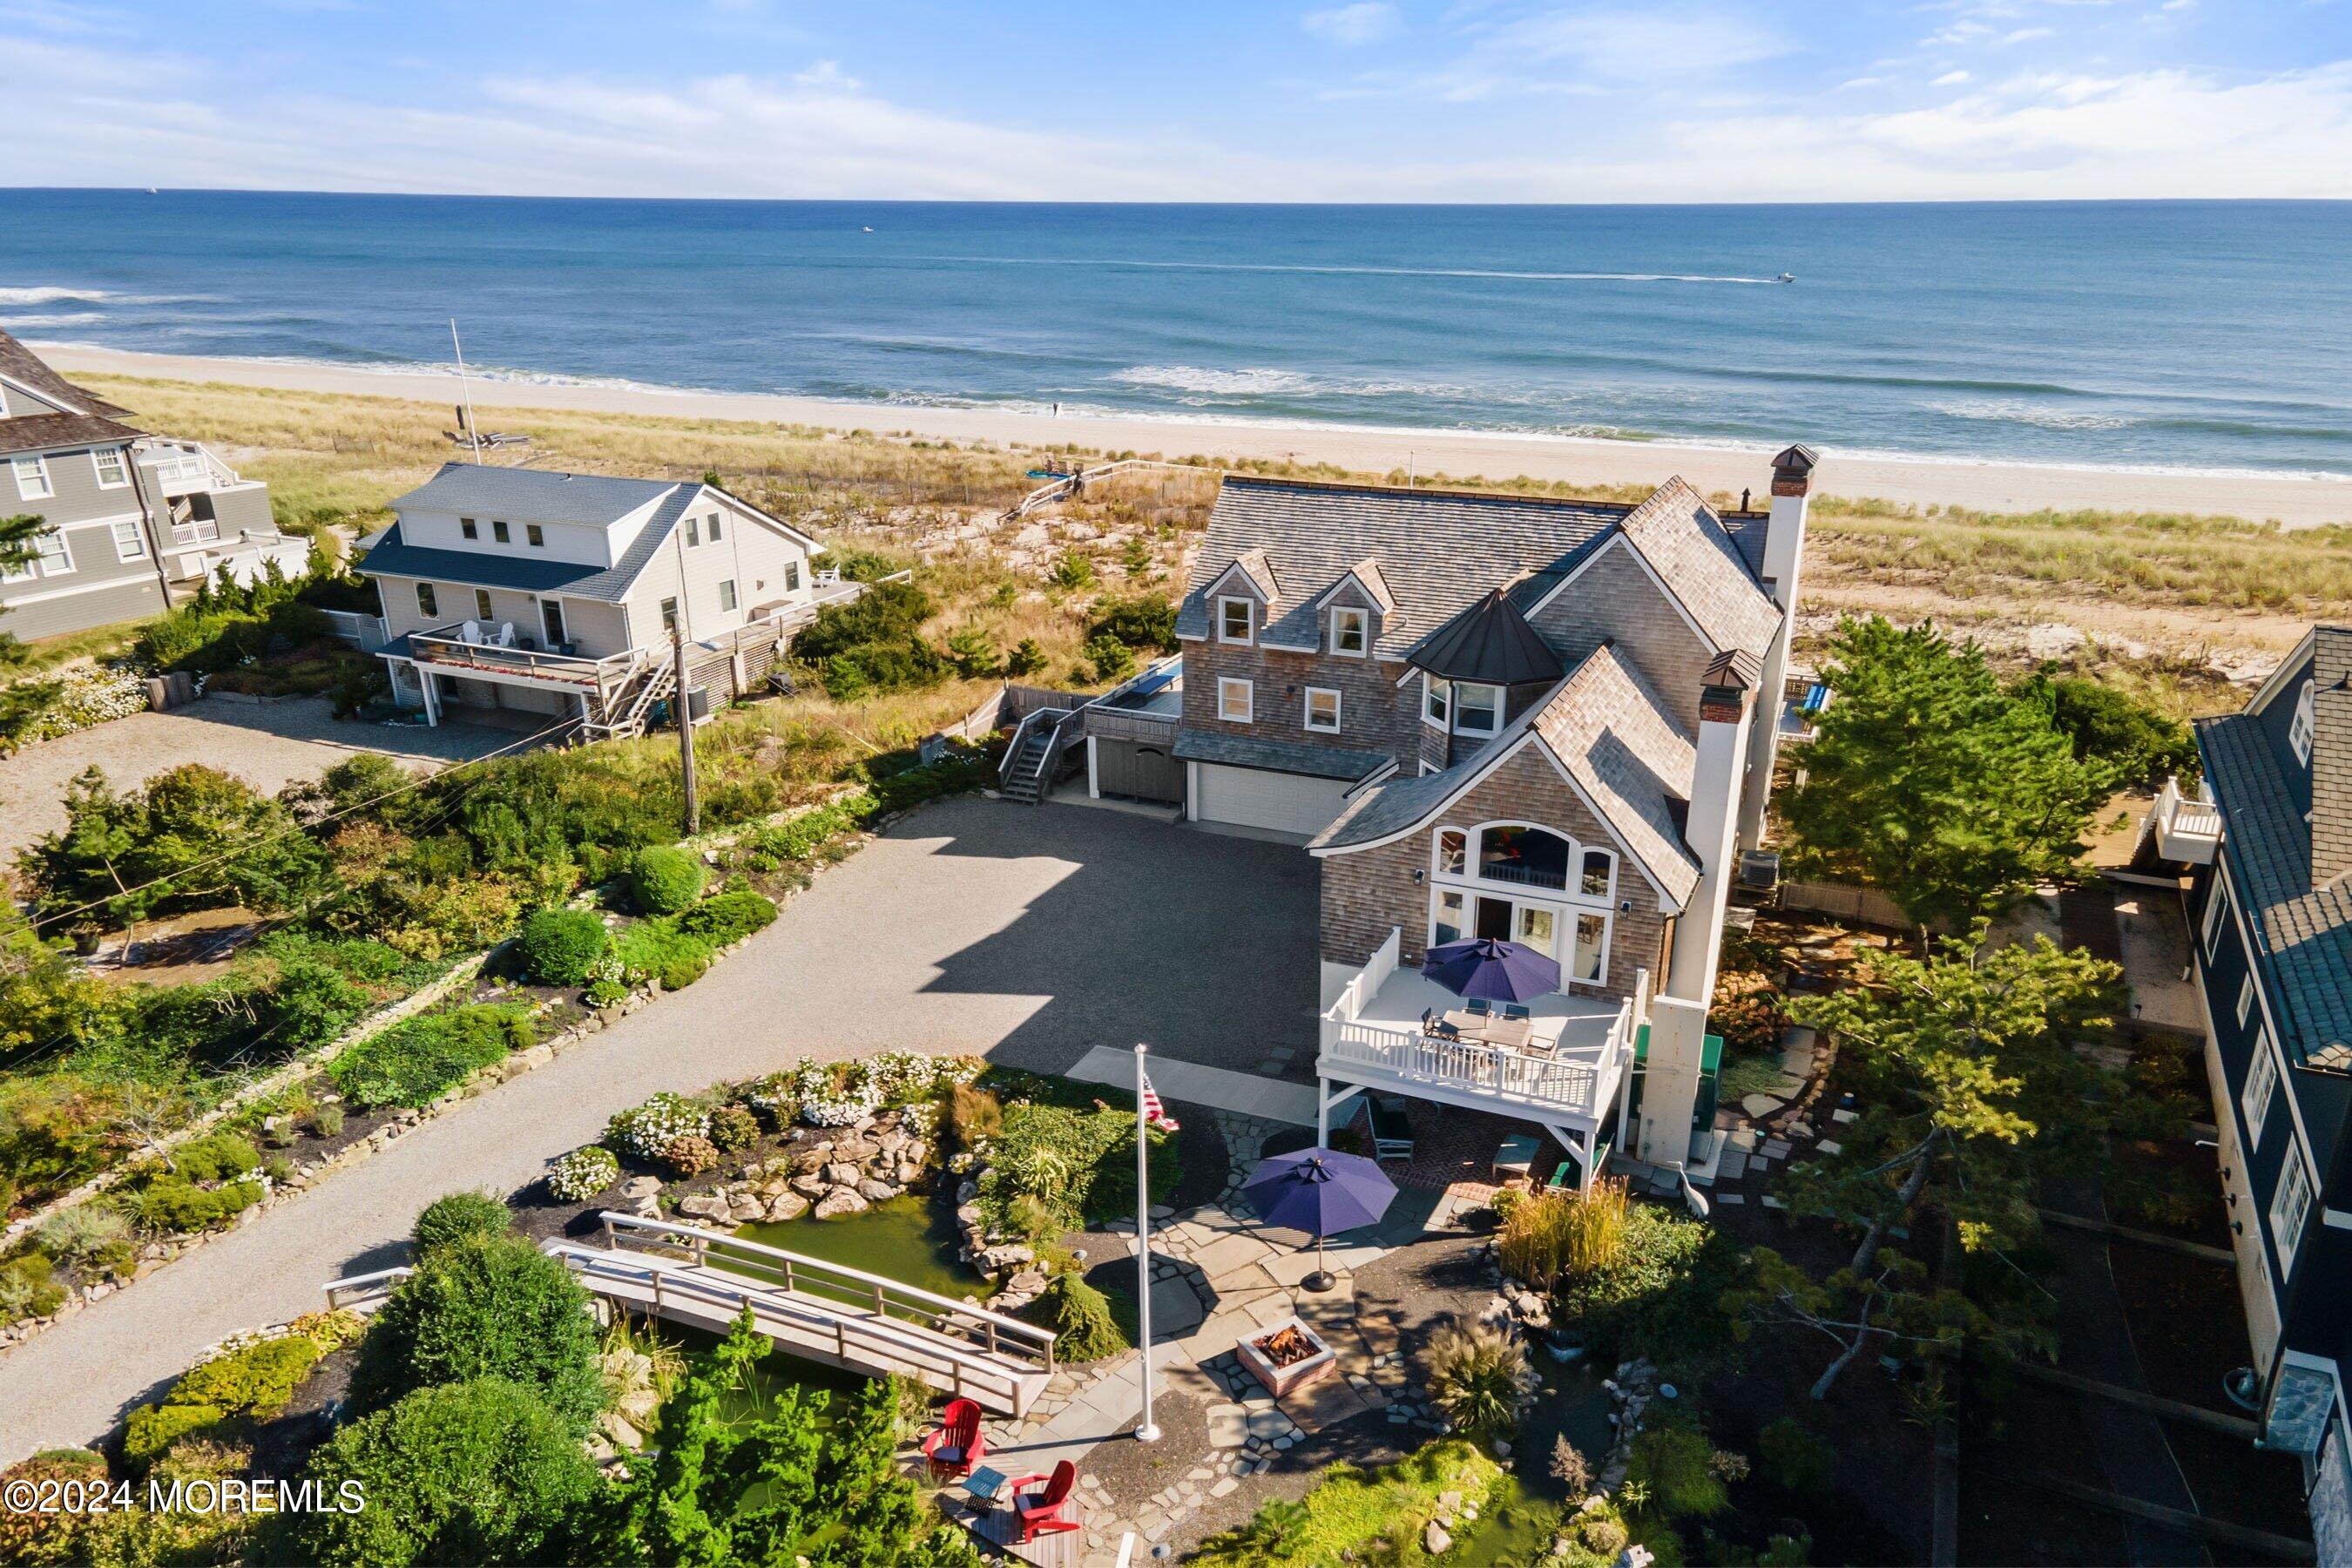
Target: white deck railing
2186	830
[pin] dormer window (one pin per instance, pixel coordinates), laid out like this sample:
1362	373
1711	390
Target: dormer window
1351	630
2299	730
470	528
1234	620
499	531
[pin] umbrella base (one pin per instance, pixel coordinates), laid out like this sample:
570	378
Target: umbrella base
1322	1279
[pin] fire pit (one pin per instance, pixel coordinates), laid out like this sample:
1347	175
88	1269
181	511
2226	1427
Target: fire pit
1287	1358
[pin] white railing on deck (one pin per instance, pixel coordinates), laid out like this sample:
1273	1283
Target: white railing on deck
2186	830
1467	1065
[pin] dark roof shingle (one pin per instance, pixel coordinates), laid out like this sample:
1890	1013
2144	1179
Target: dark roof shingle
22	365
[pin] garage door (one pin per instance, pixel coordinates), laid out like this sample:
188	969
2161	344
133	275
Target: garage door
1282	803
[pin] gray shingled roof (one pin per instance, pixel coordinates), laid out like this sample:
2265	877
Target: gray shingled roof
1490	642
40	432
22	365
1437	550
1612	735
2304	934
1276	756
1684	541
533	495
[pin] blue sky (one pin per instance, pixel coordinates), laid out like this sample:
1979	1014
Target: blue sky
1185	100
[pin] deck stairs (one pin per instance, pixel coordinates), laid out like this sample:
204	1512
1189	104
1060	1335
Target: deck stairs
626	710
1026	778
821	1311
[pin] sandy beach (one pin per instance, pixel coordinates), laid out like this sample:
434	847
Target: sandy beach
1984	487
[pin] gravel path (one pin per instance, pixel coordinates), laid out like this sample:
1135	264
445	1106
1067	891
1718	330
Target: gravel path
1030	936
268	746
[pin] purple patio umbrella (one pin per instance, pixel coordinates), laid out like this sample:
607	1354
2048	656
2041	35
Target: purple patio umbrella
1321	1191
1497	971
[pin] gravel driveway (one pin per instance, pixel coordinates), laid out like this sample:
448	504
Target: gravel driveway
1028	934
268	745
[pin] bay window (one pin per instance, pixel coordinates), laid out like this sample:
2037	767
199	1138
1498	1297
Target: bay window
1476	710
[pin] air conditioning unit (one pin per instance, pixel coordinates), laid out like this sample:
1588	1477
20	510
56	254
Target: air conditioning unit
1759	870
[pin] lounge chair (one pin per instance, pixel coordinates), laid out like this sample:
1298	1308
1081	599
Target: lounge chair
956	1444
1391	1128
1040	1513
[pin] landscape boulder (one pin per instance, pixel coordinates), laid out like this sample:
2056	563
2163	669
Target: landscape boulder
838	1202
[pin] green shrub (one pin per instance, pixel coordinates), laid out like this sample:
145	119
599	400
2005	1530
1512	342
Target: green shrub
485	1306
1676	1463
1026	659
1081	1319
728	917
456	1216
152	1428
2142	746
214	1158
167	1205
1111	659
85	1234
33	1535
327	1120
481	1472
260	1377
885	613
1145	621
1478	1375
582	1174
414	1062
658	949
1658	1297
733	1128
1072	571
560	946
1602	1536
643	1131
1796	1459
28	1289
665	880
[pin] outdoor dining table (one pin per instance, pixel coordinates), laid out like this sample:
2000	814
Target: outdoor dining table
1512	1034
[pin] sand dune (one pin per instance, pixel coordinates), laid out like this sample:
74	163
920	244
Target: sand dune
1988	486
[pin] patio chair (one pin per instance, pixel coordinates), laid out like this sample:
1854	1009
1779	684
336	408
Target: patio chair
1391	1128
956	1444
1514	1012
1039	1513
469	631
1429	1020
1478	1006
1560	1179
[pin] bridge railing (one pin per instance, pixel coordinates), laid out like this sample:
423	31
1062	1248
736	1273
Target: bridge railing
992	1333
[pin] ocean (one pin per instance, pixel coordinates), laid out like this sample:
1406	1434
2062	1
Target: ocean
2176	335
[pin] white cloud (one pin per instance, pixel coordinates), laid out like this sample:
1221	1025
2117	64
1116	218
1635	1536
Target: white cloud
827	74
1950	78
2028	35
1366	21
1585	50
89	115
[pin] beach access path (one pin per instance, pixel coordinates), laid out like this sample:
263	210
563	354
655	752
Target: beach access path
1996	487
1026	934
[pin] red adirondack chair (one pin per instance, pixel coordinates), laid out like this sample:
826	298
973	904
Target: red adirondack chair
955	1445
1041	1513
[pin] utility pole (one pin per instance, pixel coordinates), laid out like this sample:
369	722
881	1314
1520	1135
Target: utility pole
685	727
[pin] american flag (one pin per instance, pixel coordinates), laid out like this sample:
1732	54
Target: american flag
1153	1112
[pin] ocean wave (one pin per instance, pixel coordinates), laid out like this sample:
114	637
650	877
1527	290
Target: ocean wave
1338	269
61	319
51	296
2007	413
1265	382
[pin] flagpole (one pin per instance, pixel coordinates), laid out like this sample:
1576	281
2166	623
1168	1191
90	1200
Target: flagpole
1148	1432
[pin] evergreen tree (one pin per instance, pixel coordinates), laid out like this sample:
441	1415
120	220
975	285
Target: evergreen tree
1932	781
1969	1060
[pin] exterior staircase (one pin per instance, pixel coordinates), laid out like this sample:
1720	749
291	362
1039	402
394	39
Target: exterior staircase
625	710
1025	779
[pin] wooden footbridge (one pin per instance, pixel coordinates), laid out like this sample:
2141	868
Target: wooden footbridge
823	1312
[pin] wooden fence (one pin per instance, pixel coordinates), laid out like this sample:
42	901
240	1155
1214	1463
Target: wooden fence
1843	900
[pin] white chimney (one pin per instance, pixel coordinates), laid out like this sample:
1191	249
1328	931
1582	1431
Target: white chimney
1784	556
1726	704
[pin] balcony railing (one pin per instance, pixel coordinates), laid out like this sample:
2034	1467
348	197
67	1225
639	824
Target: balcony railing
1465	1067
180	469
2187	830
478	657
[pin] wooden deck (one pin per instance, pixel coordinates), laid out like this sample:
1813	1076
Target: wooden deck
994	1528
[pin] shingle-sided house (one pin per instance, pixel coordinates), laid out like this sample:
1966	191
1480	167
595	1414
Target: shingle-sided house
557	594
2270	906
135	521
1549	721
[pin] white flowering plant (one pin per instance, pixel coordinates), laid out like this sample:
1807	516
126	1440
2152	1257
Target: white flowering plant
643	1132
838	1094
582	1174
77	699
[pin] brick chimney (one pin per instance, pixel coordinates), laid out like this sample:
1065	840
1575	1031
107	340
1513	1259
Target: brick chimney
2331	753
1784	554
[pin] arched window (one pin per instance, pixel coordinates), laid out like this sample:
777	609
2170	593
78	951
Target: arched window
1596	874
1528	857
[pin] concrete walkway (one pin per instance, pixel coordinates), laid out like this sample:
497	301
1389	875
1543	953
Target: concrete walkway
1030	936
